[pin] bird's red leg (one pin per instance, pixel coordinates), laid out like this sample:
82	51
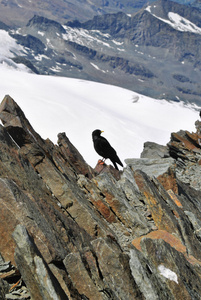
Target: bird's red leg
101	161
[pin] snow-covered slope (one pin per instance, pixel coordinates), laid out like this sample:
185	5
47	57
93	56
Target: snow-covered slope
177	22
8	49
77	107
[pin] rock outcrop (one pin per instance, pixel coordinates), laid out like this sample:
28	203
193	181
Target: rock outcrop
72	232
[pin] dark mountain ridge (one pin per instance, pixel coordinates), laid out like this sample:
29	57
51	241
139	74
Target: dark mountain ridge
45	24
17	13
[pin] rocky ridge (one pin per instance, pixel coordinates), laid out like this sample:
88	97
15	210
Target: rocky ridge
69	231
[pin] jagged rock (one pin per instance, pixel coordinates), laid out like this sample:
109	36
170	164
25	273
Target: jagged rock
16	123
73	156
79	233
38	277
186	149
101	167
153	150
167	214
161	168
153	167
176	273
114	265
80	277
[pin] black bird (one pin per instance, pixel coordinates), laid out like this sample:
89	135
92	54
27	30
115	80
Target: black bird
104	149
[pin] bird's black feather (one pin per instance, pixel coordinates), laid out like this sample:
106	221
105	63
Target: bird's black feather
104	149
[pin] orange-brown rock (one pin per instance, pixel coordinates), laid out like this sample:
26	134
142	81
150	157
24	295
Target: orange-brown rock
78	233
168	180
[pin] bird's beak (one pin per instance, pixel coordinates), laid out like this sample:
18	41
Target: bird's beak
102	131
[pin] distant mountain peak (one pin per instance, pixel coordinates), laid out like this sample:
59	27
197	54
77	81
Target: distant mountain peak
45	23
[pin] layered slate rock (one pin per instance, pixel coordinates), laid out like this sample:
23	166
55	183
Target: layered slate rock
69	231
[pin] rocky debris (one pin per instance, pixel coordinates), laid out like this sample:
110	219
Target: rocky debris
11	284
72	232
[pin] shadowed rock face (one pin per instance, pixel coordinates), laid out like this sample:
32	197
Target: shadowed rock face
73	232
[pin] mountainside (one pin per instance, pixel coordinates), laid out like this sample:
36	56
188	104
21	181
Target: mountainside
72	232
154	51
18	12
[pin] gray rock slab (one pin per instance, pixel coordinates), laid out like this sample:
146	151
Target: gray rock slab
152	167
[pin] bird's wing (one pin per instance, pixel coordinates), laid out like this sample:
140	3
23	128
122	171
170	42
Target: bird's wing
112	154
103	147
105	144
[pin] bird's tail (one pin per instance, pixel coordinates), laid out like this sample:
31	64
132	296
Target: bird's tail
117	160
115	165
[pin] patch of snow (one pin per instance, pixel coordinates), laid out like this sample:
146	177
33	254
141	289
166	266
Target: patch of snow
41	33
8	45
39	57
82	37
19	5
96	67
183	24
117	43
177	22
106	35
148	8
167	273
55	69
49	44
